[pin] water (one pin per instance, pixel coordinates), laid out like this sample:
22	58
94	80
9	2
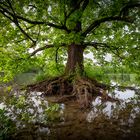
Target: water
34	113
126	97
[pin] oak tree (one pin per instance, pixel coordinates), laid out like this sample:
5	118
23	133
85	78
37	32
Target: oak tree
68	29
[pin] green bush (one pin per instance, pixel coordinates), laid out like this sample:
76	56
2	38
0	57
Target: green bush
7	126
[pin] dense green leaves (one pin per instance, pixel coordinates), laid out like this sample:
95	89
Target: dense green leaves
26	26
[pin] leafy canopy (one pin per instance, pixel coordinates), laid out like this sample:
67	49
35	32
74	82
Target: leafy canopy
49	26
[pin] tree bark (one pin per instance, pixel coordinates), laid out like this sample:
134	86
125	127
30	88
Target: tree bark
75	60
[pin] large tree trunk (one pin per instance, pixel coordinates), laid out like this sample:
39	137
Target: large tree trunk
82	88
75	59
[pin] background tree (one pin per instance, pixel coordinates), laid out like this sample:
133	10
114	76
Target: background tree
67	28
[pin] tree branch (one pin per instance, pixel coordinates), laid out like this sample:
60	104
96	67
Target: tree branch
15	20
77	6
96	44
41	49
85	4
17	24
123	16
46	47
124	10
97	23
31	21
103	45
2	12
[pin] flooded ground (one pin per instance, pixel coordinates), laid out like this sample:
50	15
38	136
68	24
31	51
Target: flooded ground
35	117
106	120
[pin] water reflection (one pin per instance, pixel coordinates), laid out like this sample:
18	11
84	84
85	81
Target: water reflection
2	105
28	108
43	130
128	105
32	109
125	95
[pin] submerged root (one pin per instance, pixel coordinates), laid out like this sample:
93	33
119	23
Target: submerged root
82	89
86	89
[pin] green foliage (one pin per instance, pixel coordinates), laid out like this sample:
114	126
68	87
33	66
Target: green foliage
96	72
108	73
52	70
24	109
7	126
53	113
26	26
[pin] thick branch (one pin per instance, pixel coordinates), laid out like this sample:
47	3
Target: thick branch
15	20
31	21
7	16
41	49
77	6
17	24
122	17
95	44
124	10
85	4
103	45
45	47
42	22
97	23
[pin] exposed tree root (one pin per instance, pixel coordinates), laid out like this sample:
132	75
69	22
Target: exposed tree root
82	89
55	86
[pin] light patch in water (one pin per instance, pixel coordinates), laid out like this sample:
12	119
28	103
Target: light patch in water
113	83
124	95
43	130
62	106
2	105
31	108
107	108
97	101
91	116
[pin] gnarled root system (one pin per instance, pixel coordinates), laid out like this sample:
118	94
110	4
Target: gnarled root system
82	89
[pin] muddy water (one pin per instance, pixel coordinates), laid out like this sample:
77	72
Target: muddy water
104	121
